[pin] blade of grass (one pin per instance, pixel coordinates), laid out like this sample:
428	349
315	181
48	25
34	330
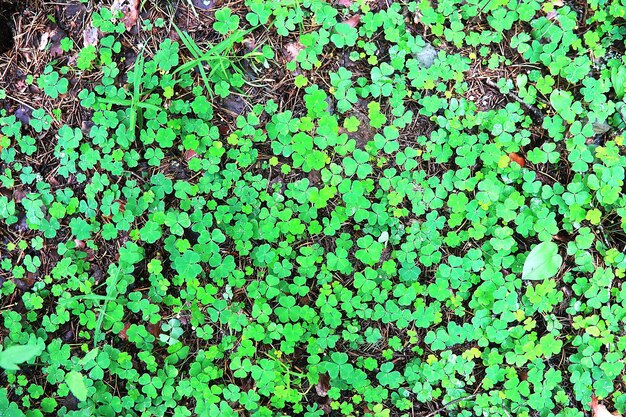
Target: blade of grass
212	55
121	102
112	294
197	53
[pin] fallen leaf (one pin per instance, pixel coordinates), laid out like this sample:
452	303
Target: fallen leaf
26	282
364	132
599	410
76	382
123	334
23	114
133	15
154	329
51	40
122	205
90	36
44	41
562	236
323	385
353	21
129	9
292	49
344	3
190	154
519	160
426	56
19	193
15	355
542	262
315	177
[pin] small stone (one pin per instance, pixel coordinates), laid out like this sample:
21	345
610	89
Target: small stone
234	104
23	114
426	57
600	128
203	4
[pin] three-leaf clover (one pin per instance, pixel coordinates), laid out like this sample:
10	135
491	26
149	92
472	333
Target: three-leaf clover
225	21
53	84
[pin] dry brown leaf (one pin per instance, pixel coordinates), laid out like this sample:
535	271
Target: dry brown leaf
130	10
154	329
292	49
123	334
599	410
131	19
353	21
323	385
562	236
51	41
90	36
44	41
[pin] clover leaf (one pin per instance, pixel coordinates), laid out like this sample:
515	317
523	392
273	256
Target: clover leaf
225	21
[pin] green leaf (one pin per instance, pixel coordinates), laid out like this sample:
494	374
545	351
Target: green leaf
618	79
542	262
14	355
225	21
9	409
76	382
562	102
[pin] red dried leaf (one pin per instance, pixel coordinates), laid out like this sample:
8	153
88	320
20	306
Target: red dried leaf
190	154
123	334
517	159
154	329
344	3
353	21
133	14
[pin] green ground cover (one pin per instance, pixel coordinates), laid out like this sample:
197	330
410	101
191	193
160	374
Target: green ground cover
358	208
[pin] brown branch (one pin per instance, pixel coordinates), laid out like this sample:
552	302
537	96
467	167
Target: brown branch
535	113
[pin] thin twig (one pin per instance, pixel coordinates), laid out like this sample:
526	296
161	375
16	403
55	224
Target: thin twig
538	115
